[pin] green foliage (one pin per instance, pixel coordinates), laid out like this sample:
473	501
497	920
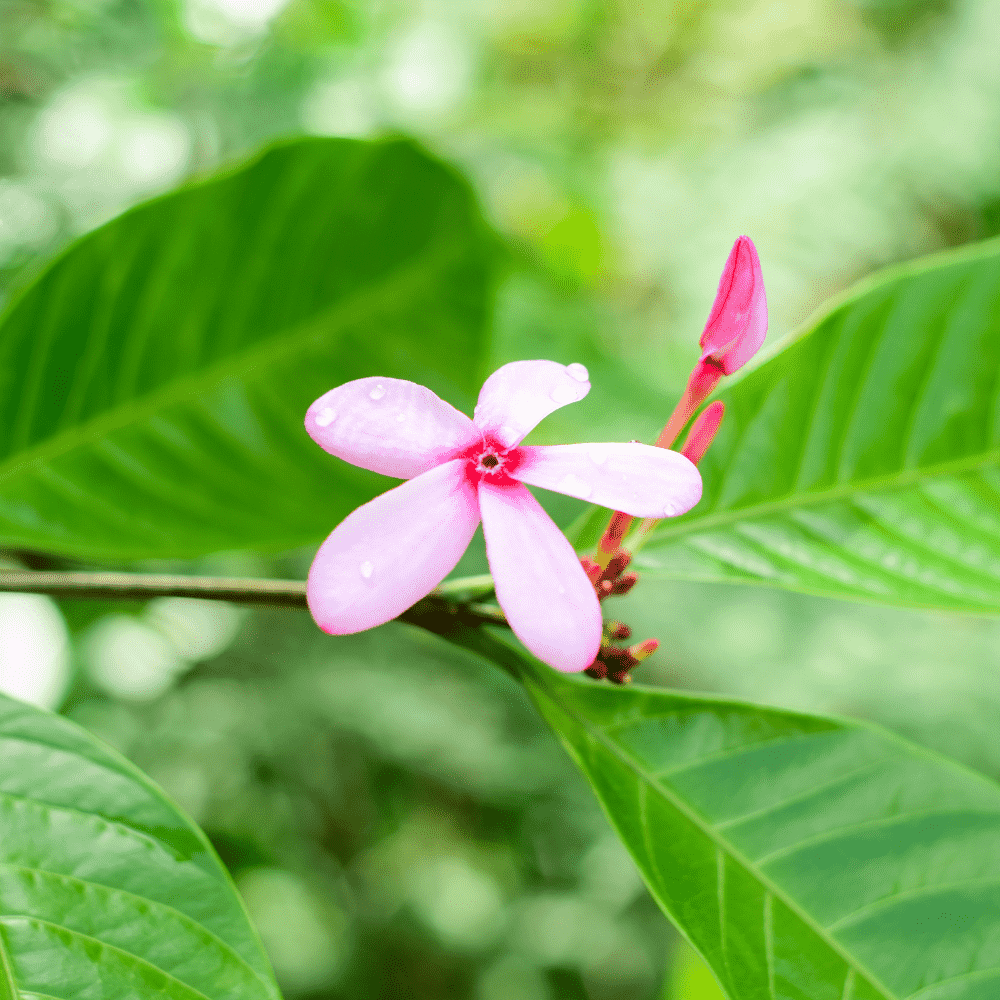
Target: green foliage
804	857
863	461
102	880
153	381
690	979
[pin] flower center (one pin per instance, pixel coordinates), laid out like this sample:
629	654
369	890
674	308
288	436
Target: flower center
489	461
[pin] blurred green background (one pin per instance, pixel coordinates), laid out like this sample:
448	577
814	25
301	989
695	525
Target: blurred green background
398	819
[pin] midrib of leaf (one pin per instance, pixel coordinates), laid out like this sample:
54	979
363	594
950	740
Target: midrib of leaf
397	286
597	734
841	491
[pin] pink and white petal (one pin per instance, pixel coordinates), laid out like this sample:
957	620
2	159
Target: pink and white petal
396	549
637	479
541	586
516	397
388	425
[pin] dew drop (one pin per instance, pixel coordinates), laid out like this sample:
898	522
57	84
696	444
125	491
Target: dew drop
575	486
577	371
671	510
565	393
598	456
366	569
325	417
378	392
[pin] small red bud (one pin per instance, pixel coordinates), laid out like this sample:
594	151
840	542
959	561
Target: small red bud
614	533
643	650
591	568
618	563
624	584
703	431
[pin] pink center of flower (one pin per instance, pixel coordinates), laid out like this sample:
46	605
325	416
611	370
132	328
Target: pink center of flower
489	461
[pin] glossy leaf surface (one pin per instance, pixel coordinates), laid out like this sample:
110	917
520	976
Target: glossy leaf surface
806	858
864	460
106	890
154	380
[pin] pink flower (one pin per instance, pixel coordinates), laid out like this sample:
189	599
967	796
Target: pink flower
737	323
388	554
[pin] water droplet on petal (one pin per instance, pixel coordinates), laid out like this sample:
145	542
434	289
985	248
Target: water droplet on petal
598	456
575	487
564	393
366	569
577	371
325	417
378	392
671	509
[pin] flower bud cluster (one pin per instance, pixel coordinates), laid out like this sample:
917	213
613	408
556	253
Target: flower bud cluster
615	662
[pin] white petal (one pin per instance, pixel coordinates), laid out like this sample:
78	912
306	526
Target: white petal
516	397
382	558
550	604
388	425
635	478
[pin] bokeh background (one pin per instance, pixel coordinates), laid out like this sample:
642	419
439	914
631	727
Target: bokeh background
397	818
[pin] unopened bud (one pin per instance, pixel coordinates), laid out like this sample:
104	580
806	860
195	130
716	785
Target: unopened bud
737	323
620	676
623	584
643	650
733	334
611	540
591	568
619	630
618	563
598	670
703	430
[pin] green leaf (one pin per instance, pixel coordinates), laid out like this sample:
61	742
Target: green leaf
805	858
154	380
863	461
103	881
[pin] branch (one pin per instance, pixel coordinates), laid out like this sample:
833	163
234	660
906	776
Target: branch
441	611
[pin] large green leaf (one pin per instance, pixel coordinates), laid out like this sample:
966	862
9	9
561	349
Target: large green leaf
805	858
106	890
154	380
864	459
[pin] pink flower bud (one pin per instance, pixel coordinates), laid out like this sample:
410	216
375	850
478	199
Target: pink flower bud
702	431
738	321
